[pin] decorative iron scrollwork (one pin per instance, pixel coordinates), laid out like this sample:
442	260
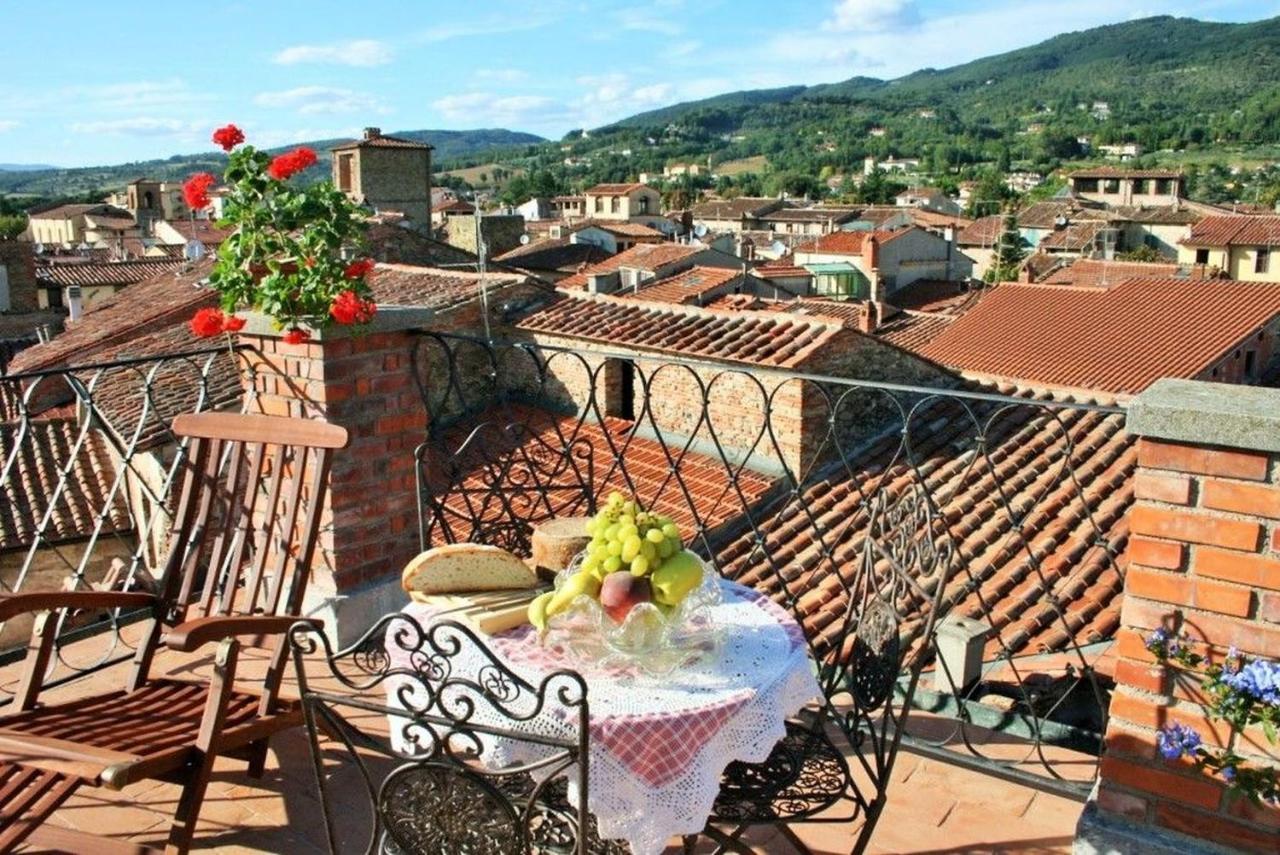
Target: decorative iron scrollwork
437	809
876	658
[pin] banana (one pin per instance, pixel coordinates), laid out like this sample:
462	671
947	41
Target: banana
538	611
579	583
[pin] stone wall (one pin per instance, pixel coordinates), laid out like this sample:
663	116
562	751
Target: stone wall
17	258
501	232
1204	561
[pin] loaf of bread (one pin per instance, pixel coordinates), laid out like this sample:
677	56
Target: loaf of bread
466	567
557	542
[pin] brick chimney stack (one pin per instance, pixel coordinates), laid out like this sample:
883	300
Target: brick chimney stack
871	253
372	133
869	320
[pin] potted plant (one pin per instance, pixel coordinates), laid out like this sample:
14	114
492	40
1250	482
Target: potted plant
291	254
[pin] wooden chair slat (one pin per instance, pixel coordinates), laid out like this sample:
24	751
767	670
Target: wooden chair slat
230	492
262	535
245	503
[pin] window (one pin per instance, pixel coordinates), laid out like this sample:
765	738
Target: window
344	172
1202	256
615	204
1250	363
1262	260
644	205
1086	185
1111	186
620	389
599	205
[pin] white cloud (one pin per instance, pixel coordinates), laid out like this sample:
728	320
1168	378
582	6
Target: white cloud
501	75
853	16
8	124
489	26
138	126
135	95
358	52
310	100
650	21
486	108
274	137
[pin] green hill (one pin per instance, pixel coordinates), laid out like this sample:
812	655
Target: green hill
50	182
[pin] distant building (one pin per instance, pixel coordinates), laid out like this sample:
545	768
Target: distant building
623	202
1121	151
1242	247
891	164
568	208
927	197
1114	186
386	173
1022	182
500	233
69	226
875	264
734	215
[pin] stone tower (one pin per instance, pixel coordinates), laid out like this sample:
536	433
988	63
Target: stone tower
386	173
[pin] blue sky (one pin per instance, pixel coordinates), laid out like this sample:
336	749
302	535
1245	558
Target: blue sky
111	82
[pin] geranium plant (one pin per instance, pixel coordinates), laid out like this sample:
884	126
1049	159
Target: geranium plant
1242	692
291	252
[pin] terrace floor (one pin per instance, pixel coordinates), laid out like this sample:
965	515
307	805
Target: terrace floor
933	807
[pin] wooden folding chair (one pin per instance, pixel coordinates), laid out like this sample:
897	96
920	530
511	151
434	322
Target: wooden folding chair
243	537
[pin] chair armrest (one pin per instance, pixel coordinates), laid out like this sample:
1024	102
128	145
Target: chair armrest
16	604
194	634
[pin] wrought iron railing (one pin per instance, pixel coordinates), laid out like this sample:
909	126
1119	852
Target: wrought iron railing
773	474
88	467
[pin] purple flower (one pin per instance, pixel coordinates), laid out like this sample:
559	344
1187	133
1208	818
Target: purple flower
1258	680
1228	772
1176	740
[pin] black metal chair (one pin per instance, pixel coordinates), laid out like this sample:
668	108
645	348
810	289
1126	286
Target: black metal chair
428	786
869	663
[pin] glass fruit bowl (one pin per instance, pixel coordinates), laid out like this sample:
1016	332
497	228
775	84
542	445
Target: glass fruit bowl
654	638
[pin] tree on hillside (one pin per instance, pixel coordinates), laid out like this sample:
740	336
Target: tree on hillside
12	225
1010	250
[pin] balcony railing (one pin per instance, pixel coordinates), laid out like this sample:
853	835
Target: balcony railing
772	475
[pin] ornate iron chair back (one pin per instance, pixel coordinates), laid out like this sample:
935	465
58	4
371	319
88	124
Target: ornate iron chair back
871	657
479	758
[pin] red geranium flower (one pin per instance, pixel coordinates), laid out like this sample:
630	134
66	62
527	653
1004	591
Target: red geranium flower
228	137
285	166
232	324
207	322
358	269
349	308
296	336
196	190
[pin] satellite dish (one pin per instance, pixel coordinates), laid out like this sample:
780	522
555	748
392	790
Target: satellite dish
778	247
193	251
1059	221
39	249
524	239
700	229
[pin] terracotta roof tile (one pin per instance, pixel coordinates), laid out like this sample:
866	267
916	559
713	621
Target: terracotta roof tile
912	330
1118	339
642	256
622	228
380	141
614	189
847	243
714	334
1097	273
44	448
687	287
984	231
553	254
1119	172
430	287
1060	475
150	305
1235	231
733	209
118	273
205	231
1074	237
936	296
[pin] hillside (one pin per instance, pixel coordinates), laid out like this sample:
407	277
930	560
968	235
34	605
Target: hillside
51	181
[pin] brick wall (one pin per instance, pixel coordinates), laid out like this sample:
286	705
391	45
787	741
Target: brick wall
365	384
17	258
1204	560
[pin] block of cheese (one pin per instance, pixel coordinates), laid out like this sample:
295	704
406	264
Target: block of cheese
466	567
556	542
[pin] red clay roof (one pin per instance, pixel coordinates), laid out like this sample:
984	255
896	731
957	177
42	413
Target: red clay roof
429	287
1097	273
1027	512
984	231
1235	231
44	448
938	296
642	256
686	287
913	330
1119	339
614	189
768	340
118	273
1074	237
380	141
847	243
623	228
148	306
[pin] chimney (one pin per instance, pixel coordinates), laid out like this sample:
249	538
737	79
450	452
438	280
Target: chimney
372	133
871	253
75	306
869	320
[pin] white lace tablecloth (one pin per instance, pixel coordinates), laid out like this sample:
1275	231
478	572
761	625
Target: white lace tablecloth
658	744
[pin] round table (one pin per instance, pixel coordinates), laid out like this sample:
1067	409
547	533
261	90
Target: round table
659	744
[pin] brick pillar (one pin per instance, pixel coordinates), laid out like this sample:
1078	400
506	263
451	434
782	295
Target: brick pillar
1204	559
364	383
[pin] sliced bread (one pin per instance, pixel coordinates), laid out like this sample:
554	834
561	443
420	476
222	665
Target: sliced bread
466	567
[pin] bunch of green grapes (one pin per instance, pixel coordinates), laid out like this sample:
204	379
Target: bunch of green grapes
626	537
